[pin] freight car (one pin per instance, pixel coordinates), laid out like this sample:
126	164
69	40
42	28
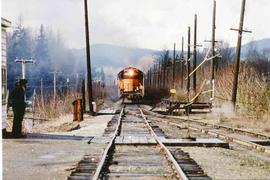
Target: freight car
130	84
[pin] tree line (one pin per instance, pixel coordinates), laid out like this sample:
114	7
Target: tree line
50	53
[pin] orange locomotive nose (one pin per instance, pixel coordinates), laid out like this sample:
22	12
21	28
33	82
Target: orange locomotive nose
131	72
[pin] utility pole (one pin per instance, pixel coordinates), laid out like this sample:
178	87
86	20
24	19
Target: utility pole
168	78
182	64
88	60
156	72
213	62
195	53
150	80
41	91
83	95
164	71
54	84
147	79
174	59
159	73
34	106
24	62
188	64
77	82
213	67
238	52
154	76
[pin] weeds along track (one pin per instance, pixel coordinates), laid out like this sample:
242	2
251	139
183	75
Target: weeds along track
252	140
135	152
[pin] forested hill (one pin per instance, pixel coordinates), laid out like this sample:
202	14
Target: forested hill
49	51
113	55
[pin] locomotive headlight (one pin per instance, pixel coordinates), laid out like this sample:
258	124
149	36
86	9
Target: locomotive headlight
131	72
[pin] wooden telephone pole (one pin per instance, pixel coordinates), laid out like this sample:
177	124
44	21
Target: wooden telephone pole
174	59
155	76
195	53
88	60
83	96
238	52
188	64
41	91
54	84
182	64
213	48
159	73
164	70
213	62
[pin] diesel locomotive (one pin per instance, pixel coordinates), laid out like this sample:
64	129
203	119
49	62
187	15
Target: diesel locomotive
130	83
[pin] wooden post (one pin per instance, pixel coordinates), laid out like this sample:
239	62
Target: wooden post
88	60
174	59
34	106
54	86
188	65
168	74
154	76
83	96
195	54
164	71
41	92
150	77
182	64
213	62
159	73
238	53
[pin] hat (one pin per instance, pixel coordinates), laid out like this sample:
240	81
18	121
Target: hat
23	81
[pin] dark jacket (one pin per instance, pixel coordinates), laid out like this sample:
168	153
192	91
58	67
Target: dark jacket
17	98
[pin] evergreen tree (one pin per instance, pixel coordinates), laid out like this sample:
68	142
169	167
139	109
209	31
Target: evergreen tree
20	45
41	52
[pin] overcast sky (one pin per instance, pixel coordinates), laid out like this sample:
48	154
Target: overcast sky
154	24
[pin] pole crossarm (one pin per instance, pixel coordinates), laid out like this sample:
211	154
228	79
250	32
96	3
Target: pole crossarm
198	45
55	72
211	41
239	30
25	60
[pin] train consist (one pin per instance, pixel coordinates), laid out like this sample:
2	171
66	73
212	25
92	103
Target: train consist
130	83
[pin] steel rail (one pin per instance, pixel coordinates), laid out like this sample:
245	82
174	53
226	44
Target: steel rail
236	130
105	153
176	167
228	138
257	147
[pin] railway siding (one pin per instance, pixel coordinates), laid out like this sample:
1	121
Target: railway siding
252	140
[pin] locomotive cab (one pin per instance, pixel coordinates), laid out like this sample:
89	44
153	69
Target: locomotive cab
130	83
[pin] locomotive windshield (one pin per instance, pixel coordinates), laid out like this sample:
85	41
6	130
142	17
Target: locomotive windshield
130	74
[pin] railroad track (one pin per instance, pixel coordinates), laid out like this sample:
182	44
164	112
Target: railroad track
135	151
253	140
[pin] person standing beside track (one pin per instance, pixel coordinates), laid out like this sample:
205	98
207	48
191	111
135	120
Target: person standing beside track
17	98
